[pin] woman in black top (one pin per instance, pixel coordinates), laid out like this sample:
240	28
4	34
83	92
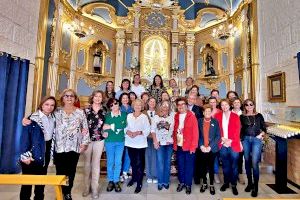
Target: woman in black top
157	88
252	132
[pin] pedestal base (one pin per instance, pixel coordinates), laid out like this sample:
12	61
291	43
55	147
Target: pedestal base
281	190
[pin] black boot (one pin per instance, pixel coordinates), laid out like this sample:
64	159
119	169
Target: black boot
250	185
255	189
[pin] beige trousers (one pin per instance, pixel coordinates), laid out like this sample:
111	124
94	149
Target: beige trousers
92	158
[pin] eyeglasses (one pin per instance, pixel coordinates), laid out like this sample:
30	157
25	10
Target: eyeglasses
249	104
69	95
115	103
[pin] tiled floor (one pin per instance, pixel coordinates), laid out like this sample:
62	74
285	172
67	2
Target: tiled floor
150	192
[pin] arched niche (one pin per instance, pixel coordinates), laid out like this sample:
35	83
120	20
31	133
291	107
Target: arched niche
210	59
97	57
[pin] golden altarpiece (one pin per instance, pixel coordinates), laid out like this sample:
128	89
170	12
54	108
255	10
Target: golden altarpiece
92	42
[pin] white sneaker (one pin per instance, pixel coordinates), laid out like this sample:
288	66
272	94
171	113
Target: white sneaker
125	175
149	180
217	178
154	181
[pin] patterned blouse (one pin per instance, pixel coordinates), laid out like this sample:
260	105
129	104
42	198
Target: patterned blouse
163	128
156	92
95	122
71	131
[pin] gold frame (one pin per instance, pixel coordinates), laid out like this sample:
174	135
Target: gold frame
278	88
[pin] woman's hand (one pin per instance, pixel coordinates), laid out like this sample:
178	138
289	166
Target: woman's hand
26	122
27	161
106	127
82	148
202	148
105	134
156	144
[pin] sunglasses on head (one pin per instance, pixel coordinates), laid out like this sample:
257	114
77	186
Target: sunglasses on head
115	103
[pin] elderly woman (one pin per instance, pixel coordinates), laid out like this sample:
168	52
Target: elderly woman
209	136
114	143
162	129
137	130
36	145
230	145
71	138
95	113
185	136
252	132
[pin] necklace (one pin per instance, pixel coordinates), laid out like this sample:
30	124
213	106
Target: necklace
249	121
207	120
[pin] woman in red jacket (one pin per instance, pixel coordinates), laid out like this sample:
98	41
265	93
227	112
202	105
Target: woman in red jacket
185	136
230	145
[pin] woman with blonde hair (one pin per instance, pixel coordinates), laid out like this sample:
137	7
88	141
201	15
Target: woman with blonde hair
137	130
95	113
162	129
71	138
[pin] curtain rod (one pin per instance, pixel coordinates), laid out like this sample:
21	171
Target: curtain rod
15	57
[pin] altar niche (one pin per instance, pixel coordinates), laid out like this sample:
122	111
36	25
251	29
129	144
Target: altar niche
97	54
210	58
155	57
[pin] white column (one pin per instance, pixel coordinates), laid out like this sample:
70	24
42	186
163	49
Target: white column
120	40
190	42
54	59
175	37
231	63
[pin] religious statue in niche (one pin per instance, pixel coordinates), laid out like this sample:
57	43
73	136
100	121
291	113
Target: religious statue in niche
97	64
209	64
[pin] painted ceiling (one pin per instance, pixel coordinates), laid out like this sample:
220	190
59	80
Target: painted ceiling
190	7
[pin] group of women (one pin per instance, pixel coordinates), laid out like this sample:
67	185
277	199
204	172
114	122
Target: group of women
141	128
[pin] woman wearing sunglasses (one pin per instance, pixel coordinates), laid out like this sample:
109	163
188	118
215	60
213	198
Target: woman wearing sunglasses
252	132
115	121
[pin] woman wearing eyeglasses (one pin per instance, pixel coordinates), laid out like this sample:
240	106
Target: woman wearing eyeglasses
252	133
114	144
71	138
151	172
185	136
137	130
162	129
230	127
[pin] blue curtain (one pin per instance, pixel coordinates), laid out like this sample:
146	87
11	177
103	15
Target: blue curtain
13	89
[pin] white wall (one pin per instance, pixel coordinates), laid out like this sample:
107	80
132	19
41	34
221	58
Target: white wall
279	42
18	34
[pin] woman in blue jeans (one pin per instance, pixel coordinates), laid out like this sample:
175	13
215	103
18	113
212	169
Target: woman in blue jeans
252	132
115	122
162	129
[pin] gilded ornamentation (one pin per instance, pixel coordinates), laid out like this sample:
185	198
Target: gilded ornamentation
146	34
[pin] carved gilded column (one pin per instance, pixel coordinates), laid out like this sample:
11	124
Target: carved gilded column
244	38
231	63
136	33
120	41
175	37
190	42
73	64
54	59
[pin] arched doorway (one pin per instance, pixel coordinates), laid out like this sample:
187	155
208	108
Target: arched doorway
155	57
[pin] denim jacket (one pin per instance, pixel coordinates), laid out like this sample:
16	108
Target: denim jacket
214	134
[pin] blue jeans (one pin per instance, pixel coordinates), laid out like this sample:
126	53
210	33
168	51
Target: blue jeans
216	163
151	160
185	163
126	161
230	161
163	155
252	153
114	151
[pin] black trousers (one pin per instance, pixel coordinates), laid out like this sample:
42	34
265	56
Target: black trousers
197	166
35	169
137	160
207	165
66	164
